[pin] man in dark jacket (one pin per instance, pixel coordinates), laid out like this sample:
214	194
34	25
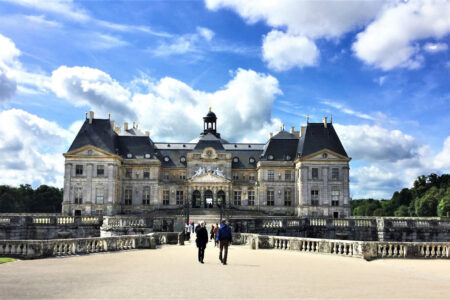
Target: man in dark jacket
224	239
201	241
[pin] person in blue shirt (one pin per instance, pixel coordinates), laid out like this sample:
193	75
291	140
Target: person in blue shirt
224	239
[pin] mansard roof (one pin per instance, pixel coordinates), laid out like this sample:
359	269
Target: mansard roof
137	146
318	137
99	134
282	146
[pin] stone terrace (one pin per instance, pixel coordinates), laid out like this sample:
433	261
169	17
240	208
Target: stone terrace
173	272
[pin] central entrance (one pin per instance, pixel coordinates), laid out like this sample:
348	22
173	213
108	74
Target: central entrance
208	199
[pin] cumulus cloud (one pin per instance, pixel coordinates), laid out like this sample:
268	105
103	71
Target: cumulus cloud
442	159
31	149
392	39
435	47
283	51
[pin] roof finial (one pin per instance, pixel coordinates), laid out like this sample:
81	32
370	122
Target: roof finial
86	115
307	118
283	126
209	108
109	115
331	118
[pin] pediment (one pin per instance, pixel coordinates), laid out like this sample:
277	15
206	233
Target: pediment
89	151
325	155
209	178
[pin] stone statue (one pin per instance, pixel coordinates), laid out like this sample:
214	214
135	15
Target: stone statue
218	172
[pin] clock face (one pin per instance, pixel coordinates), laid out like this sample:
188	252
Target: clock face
209	153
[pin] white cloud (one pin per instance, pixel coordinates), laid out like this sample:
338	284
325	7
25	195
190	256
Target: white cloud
31	147
435	47
84	86
206	33
348	111
283	51
442	159
41	20
101	41
391	41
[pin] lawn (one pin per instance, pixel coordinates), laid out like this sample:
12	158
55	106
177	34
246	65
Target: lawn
5	260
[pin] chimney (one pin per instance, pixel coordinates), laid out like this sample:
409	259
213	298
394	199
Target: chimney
113	124
292	129
270	135
331	118
147	133
302	130
134	124
91	116
117	129
109	115
324	120
125	126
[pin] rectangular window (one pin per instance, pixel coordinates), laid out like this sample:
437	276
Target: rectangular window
335	198
270	198
287	198
99	212
251	177
79	170
235	176
78	195
166	198
128	172
100	170
270	175
179	197
315	173
287	175
99	195
237	198
182	176
166	176
334	174
146	174
128	196
315	197
146	196
251	198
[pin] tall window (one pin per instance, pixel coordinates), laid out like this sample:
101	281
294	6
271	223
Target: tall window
315	173
79	170
335	198
251	177
166	176
270	175
315	197
235	176
146	196
78	195
287	197
128	196
287	175
100	170
237	198
179	197
251	198
166	198
335	174
146	174
99	192
128	173
270	198
182	176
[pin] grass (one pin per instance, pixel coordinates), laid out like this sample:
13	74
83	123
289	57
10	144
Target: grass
5	260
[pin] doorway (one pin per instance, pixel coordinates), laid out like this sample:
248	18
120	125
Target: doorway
220	198
196	199
208	203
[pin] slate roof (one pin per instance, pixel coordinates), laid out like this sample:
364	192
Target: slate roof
283	146
317	137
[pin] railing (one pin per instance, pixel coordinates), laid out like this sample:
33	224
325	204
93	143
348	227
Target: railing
29	249
360	249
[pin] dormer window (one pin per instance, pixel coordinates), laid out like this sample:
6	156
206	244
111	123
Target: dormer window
147	155
129	155
235	160
251	160
288	157
182	159
166	158
324	155
270	157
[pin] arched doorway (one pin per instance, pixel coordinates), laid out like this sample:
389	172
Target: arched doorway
220	198
208	202
196	199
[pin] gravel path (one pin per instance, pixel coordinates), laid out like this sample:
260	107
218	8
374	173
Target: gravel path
173	272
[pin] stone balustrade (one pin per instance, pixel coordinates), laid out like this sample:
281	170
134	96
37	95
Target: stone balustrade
30	249
360	249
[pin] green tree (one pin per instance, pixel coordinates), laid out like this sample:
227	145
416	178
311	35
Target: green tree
426	206
443	208
402	211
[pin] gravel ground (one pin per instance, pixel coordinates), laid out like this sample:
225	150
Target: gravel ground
174	272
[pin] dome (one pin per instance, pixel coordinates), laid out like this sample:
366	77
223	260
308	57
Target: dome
211	115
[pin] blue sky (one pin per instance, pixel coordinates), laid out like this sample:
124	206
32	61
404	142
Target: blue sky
380	68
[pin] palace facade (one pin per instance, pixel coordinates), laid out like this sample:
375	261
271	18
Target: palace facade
111	171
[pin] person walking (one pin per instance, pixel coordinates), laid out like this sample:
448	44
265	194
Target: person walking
211	232
216	229
224	239
201	241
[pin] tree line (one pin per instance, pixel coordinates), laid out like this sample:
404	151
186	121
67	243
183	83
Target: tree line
25	199
429	197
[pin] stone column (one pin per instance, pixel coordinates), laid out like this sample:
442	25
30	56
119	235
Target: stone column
66	196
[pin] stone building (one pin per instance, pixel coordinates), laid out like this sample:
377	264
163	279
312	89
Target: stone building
109	171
